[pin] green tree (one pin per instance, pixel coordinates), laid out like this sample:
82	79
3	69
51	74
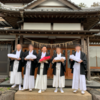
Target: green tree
95	4
82	5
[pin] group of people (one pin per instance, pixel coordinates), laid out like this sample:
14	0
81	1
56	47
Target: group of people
59	68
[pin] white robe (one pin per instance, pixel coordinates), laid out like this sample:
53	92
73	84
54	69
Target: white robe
41	80
58	81
28	79
15	76
79	81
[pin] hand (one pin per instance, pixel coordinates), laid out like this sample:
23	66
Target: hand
19	59
80	61
25	59
12	59
44	61
62	60
40	61
71	59
31	59
54	60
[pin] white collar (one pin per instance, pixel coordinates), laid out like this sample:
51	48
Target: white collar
31	51
43	53
78	52
59	54
19	51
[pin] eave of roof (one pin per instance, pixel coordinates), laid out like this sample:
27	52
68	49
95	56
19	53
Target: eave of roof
15	1
48	32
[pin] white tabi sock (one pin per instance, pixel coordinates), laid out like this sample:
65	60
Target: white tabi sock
39	91
61	90
56	90
13	86
20	87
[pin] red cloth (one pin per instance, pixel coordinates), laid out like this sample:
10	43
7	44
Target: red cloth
45	58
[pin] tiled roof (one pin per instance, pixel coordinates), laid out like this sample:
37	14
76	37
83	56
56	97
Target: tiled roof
16	9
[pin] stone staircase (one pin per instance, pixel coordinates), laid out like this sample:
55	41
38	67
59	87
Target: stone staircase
50	95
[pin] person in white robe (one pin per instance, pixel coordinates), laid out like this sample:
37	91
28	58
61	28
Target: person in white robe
78	69
16	67
41	79
59	67
29	69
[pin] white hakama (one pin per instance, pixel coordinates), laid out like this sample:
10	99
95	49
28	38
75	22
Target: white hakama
15	76
41	80
58	81
79	81
28	79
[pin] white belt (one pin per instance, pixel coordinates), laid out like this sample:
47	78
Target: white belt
58	66
28	64
16	63
42	66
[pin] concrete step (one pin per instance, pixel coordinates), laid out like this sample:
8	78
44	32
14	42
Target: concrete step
50	95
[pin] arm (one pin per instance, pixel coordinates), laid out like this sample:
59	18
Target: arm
12	60
71	63
38	58
53	63
35	60
23	56
64	65
84	61
47	63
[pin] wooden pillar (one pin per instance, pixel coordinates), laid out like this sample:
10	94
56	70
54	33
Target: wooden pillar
16	41
88	59
21	39
82	44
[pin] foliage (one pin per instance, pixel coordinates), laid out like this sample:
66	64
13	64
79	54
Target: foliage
6	79
95	4
82	5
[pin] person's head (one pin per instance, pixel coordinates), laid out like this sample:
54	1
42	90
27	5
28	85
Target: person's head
78	47
44	48
18	47
58	50
31	47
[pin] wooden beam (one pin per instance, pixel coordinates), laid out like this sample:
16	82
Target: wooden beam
88	65
34	4
2	15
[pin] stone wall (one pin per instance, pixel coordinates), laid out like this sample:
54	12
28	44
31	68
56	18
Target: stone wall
95	93
8	95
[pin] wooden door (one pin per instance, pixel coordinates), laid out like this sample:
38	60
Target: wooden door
68	73
66	52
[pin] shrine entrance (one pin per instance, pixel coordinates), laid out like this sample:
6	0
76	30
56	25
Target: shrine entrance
52	51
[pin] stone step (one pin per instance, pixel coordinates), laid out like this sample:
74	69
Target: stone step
50	95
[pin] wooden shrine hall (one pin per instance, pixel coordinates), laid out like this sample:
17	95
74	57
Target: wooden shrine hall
48	21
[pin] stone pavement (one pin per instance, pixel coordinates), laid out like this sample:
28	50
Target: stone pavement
92	84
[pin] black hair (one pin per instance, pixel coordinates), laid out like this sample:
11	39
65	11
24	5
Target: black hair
58	47
44	46
77	45
31	45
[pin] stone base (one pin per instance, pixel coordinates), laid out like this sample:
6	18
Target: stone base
50	95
